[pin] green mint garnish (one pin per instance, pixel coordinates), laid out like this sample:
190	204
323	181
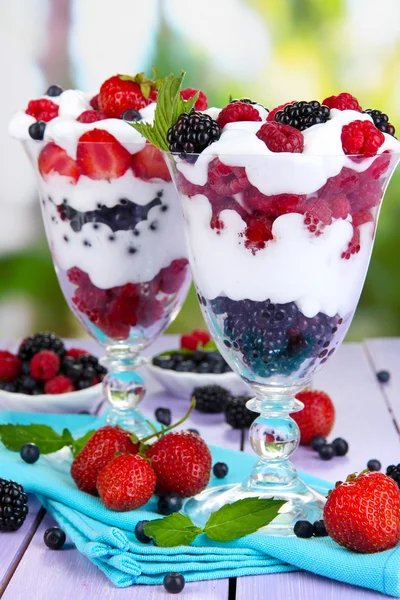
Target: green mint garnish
45	438
169	107
230	522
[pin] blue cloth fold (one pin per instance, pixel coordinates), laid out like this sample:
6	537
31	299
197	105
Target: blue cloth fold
107	539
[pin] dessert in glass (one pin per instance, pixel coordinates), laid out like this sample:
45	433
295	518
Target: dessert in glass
280	212
113	222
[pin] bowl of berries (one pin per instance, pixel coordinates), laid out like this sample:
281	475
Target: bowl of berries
197	363
45	376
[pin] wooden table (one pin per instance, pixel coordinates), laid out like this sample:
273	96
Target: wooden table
368	416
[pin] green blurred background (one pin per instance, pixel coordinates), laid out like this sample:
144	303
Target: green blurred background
270	50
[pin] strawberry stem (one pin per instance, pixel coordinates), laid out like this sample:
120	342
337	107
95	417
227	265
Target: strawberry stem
167	429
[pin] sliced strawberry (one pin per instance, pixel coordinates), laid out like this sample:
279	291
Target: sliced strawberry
55	159
100	155
149	163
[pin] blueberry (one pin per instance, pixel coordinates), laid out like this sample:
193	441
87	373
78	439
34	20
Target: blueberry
164	362
220	470
303	529
203	367
326	452
83	384
29	453
140	534
169	503
26	368
36	130
340	446
54	90
131	115
54	538
199	356
185	366
27	384
374	465
317	442
174	583
196	431
383	376
8	386
163	416
320	529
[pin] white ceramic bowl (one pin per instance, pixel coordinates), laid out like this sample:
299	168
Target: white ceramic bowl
72	402
181	384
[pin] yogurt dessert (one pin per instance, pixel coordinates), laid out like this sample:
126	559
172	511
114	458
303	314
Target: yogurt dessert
280	211
111	212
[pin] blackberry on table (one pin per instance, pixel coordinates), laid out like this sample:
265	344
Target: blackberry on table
41	341
237	415
13	505
393	471
211	398
381	121
302	115
192	133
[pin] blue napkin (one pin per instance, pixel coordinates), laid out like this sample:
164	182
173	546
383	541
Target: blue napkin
107	538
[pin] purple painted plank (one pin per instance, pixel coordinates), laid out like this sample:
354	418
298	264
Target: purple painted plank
44	575
13	545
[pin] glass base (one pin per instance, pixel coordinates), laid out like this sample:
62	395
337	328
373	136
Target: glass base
131	420
302	503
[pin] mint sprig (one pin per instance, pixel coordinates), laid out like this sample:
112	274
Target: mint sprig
229	523
46	439
169	107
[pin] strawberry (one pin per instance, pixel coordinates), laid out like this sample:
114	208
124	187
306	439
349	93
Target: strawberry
122	92
126	482
202	336
149	163
363	514
101	156
317	416
201	102
52	158
189	342
97	453
182	463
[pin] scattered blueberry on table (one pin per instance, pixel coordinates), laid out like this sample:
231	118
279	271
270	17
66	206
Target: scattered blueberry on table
220	470
326	451
196	431
169	503
383	376
305	529
174	583
13	505
140	534
340	446
29	453
317	442
54	538
163	416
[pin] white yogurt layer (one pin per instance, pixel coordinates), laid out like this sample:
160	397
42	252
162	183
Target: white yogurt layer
293	267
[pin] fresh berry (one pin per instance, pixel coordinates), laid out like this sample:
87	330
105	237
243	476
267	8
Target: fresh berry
340	206
99	155
189	342
320	529
302	115
54	91
54	538
317	416
343	101
379	166
169	503
363	514
26	384
195	431
374	465
182	462
274	206
381	121
317	215
258	231
45	365
36	130
362	216
131	115
383	376
13	505
201	102
75	352
94	102
174	583
163	416
340	446
361	138
394	472
272	113
326	452
237	415
303	529
120	93
192	133
281	138
98	451
41	341
220	470
53	159
126	482
91	116
29	453
202	336
42	110
149	163
172	278
237	111
211	398
10	365
318	441
140	534
59	385
225	180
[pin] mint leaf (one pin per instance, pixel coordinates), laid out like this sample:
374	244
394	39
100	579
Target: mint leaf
169	107
174	530
77	445
15	436
241	518
209	347
179	351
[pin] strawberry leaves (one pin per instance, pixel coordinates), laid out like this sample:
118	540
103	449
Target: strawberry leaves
46	439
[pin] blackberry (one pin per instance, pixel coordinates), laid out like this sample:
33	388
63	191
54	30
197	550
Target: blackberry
211	398
41	341
237	415
248	101
26	384
302	115
393	472
381	121
13	505
192	133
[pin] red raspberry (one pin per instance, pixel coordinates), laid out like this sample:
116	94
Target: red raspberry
361	217
202	336
10	365
91	116
354	244
94	103
227	181
171	278
378	167
258	232
201	102
113	330
343	101
361	137
150	311
340	206
123	310
281	138
367	195
273	205
59	385
237	111
272	113
91	301
45	365
189	342
42	110
77	276
224	204
75	352
318	214
346	181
